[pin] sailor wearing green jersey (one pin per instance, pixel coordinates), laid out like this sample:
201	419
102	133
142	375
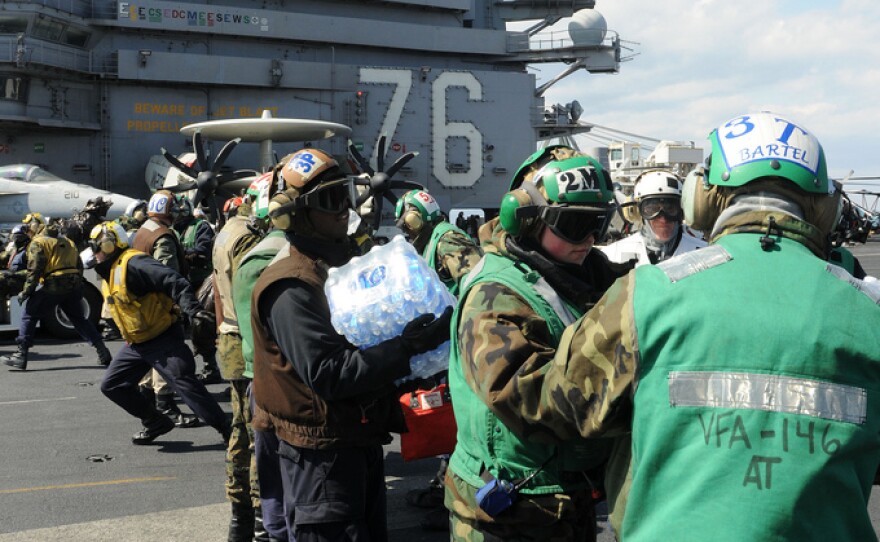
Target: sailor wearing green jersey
748	371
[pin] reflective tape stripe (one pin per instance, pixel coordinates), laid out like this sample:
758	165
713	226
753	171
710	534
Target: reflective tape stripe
775	393
543	288
870	289
689	263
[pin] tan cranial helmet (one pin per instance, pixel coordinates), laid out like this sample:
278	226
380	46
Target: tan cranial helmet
308	179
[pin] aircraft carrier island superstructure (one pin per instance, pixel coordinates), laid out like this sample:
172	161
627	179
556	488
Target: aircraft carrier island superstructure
91	89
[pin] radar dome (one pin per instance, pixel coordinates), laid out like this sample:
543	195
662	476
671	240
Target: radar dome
587	27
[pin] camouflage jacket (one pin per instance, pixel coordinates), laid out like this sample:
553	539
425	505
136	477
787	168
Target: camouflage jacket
455	254
590	384
506	347
52	261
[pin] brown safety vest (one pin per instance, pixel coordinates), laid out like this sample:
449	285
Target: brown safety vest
149	233
298	415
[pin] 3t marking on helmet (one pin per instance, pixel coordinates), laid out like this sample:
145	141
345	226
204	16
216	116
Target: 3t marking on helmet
764	136
582	179
748	126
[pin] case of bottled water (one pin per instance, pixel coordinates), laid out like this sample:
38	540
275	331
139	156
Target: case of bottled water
374	296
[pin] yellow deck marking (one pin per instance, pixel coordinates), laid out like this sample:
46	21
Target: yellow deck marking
90	484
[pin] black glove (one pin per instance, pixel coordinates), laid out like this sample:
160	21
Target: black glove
426	332
204	331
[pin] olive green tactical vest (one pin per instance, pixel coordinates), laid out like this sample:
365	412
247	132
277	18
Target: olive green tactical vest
197	272
483	441
757	412
252	265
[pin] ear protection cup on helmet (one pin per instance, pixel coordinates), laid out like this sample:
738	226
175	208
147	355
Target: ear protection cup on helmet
280	212
701	202
107	243
412	220
507	215
630	210
108	236
518	214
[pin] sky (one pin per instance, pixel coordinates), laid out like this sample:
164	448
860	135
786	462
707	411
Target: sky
703	62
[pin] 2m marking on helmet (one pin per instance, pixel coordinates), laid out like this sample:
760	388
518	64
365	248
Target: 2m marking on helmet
764	136
582	179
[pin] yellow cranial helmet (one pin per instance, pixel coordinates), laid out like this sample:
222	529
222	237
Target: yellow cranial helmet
107	237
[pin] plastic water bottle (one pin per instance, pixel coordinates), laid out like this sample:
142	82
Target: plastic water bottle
374	296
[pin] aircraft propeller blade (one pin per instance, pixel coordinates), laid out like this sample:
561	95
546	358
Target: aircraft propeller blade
380	153
400	162
391	197
412	185
200	151
178	164
364	164
181	187
224	154
377	212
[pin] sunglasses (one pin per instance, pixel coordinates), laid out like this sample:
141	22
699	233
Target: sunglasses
654	207
575	224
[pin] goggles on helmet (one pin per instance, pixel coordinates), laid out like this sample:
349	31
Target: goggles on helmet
334	197
574	224
651	208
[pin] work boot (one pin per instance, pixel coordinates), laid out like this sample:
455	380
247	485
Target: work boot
260	532
427	497
166	405
104	355
241	525
154	427
18	360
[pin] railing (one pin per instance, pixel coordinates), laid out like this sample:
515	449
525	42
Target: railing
557	39
34	51
81	8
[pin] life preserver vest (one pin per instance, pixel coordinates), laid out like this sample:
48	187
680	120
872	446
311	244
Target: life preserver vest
141	318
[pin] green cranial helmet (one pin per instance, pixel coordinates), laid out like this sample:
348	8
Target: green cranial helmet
759	145
538	159
577	187
420	202
580	180
258	195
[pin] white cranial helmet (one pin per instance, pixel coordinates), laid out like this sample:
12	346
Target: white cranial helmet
657	184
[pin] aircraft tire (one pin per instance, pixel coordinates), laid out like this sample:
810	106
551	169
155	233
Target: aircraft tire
60	327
